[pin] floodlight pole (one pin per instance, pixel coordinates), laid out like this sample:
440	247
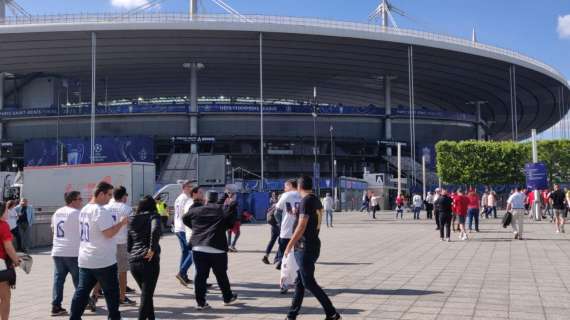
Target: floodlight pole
193	9
93	88
261	142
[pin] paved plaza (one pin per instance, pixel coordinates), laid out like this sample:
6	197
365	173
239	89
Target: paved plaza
372	269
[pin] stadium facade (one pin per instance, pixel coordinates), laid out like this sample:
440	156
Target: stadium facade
179	77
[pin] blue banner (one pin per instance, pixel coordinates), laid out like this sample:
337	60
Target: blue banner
536	176
237	108
44	152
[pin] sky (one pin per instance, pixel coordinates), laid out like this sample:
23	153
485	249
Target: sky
539	29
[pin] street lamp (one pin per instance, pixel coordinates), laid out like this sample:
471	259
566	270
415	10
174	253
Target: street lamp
315	160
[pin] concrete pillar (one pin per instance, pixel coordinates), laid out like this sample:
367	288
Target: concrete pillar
388	111
194	104
1	89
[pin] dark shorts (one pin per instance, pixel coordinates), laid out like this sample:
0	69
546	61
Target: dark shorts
461	219
236	227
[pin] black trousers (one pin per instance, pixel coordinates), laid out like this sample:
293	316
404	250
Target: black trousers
146	275
274	236
437	219
429	213
282	246
306	280
445	221
218	262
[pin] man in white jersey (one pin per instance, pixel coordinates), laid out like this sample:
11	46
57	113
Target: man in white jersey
65	227
181	205
286	212
119	209
98	253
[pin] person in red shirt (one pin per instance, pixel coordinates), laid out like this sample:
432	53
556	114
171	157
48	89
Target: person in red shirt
455	228
461	202
6	251
473	209
400	206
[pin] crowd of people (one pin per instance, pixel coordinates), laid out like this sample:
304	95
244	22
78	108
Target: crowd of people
98	243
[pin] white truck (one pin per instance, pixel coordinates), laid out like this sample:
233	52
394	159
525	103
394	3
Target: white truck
45	186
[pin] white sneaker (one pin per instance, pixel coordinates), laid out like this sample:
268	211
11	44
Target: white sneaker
557	231
447	239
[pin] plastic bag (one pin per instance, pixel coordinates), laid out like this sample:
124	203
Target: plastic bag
289	268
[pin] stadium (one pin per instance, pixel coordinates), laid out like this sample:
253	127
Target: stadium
170	84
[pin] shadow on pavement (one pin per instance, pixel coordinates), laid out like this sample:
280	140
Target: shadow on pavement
344	263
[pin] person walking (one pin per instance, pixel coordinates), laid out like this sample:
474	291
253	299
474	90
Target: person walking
119	209
416	206
558	201
275	228
307	246
98	253
232	189
12	220
374	204
400	206
461	203
65	248
473	209
435	208
183	201
209	244
444	205
484	200
25	221
287	210
365	202
428	203
10	259
492	204
516	205
144	231
547	205
329	207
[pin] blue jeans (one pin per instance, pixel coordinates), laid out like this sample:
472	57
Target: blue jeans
473	213
306	279
108	278
329	217
186	258
63	266
417	212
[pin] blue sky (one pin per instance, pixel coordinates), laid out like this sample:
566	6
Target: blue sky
527	26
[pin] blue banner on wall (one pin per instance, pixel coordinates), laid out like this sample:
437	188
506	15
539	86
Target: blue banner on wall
536	175
44	152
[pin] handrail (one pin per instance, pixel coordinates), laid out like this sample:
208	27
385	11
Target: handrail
162	18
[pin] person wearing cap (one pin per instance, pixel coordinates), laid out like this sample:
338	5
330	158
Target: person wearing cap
209	244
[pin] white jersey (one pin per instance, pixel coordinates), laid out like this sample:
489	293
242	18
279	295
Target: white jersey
119	210
179	207
95	250
65	226
187	206
289	203
12	218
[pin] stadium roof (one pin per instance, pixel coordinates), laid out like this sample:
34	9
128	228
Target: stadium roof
142	55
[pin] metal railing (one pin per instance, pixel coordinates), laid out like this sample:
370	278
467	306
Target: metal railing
164	18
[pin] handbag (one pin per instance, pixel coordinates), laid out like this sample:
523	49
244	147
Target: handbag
507	218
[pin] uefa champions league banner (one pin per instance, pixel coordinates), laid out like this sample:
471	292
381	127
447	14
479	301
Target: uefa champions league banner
230	108
44	152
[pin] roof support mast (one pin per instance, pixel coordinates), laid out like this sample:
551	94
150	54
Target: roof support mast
384	12
193	9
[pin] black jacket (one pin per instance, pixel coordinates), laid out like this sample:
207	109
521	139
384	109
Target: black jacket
443	204
144	233
209	223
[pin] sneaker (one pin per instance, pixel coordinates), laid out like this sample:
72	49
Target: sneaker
283	290
206	306
441	239
130	290
335	317
188	281
233	249
182	280
265	260
448	240
127	302
516	235
232	300
557	231
92	304
58	311
278	266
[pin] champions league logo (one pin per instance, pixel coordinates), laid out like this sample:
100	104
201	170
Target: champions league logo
98	148
143	154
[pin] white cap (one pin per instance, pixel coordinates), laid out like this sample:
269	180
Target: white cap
233	188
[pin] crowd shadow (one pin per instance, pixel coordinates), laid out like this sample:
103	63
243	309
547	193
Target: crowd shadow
344	263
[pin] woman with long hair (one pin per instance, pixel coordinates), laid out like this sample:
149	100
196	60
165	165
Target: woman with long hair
8	260
144	232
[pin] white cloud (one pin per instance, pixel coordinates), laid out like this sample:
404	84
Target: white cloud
128	4
564	26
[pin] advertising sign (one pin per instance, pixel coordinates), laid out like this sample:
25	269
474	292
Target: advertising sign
536	175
